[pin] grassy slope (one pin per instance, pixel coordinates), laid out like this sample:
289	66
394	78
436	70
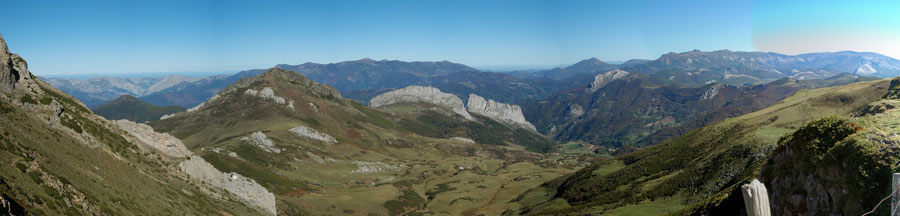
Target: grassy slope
44	167
701	168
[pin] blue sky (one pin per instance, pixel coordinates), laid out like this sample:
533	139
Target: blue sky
118	37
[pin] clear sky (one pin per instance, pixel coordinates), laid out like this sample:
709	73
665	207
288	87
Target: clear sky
113	37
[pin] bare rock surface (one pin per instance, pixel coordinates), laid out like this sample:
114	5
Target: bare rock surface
165	143
251	192
602	79
498	111
309	133
425	94
14	72
260	140
269	94
463	139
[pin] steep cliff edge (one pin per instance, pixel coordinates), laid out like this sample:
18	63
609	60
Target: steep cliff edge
412	94
498	111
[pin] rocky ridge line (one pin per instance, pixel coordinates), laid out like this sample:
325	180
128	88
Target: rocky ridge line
498	111
425	94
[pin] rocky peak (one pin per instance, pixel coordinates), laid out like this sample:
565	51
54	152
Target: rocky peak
285	78
605	78
498	111
425	94
13	70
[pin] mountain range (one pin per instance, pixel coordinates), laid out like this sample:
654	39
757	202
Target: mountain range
363	79
676	135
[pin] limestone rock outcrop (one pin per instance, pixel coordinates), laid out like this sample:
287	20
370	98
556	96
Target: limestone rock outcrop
309	133
14	71
711	92
498	111
260	140
251	192
269	94
602	79
163	142
425	94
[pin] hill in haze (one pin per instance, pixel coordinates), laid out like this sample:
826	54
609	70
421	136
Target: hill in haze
131	108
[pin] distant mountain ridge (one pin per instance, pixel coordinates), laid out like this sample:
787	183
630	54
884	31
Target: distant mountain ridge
363	79
184	91
740	68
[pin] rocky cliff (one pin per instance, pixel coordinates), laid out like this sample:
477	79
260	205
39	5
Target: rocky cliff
413	94
14	71
602	79
498	111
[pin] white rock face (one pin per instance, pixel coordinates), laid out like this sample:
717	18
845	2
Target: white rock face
602	79
251	192
309	133
498	111
260	140
865	69
269	94
421	94
365	167
165	143
463	139
711	92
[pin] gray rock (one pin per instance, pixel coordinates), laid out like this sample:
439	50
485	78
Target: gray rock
14	71
498	111
260	140
251	192
163	142
602	79
711	92
463	139
310	133
425	94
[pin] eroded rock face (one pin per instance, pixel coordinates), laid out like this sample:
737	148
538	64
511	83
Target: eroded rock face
269	94
498	111
260	140
165	143
14	71
425	94
602	79
309	133
251	192
711	92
